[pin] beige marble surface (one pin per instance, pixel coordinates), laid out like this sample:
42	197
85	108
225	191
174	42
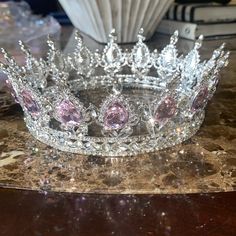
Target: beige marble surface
205	163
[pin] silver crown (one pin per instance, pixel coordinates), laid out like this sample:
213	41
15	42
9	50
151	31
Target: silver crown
117	102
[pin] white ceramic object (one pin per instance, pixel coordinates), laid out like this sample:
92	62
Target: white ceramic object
97	18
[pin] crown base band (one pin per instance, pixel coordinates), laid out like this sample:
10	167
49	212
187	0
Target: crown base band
134	145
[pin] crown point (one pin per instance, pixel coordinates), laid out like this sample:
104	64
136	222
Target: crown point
201	37
78	36
6	55
141	31
174	37
24	48
50	43
198	42
3	51
112	35
140	36
222	46
176	33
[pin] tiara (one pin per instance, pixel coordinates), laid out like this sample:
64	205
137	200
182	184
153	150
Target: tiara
115	102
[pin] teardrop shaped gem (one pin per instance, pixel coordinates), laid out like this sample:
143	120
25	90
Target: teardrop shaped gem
168	57
192	60
29	103
200	100
68	114
112	54
165	111
141	55
116	116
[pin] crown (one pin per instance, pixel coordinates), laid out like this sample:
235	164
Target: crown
116	102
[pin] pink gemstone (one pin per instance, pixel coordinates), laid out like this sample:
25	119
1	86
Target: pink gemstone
116	116
30	104
165	110
200	100
68	114
12	91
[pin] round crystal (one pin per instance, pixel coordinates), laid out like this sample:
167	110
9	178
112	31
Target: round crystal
165	110
116	116
68	114
200	100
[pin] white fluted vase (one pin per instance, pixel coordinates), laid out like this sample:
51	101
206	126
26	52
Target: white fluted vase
97	18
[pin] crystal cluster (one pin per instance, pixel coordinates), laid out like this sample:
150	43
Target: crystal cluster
125	124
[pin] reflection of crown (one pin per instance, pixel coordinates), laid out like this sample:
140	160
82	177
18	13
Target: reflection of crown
114	103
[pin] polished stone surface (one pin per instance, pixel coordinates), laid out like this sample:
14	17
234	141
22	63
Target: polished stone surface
205	163
29	213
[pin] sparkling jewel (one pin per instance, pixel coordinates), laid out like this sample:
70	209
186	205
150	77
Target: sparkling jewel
165	110
68	114
12	91
116	116
30	104
113	54
141	55
200	99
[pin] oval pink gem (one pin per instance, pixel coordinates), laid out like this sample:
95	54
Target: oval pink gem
68	114
165	110
116	116
200	100
30	104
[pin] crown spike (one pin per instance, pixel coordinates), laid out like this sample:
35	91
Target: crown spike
198	42
51	44
112	36
140	36
218	52
174	38
8	57
222	46
78	39
24	48
4	67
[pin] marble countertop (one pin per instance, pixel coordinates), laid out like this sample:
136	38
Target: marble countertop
205	163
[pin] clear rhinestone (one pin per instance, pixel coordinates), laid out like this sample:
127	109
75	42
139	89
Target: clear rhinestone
141	55
113	54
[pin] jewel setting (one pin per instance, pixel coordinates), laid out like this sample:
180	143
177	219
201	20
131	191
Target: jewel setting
146	100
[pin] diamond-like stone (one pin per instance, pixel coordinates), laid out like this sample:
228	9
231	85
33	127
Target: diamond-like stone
168	57
116	116
200	100
165	110
30	104
141	55
113	54
68	114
